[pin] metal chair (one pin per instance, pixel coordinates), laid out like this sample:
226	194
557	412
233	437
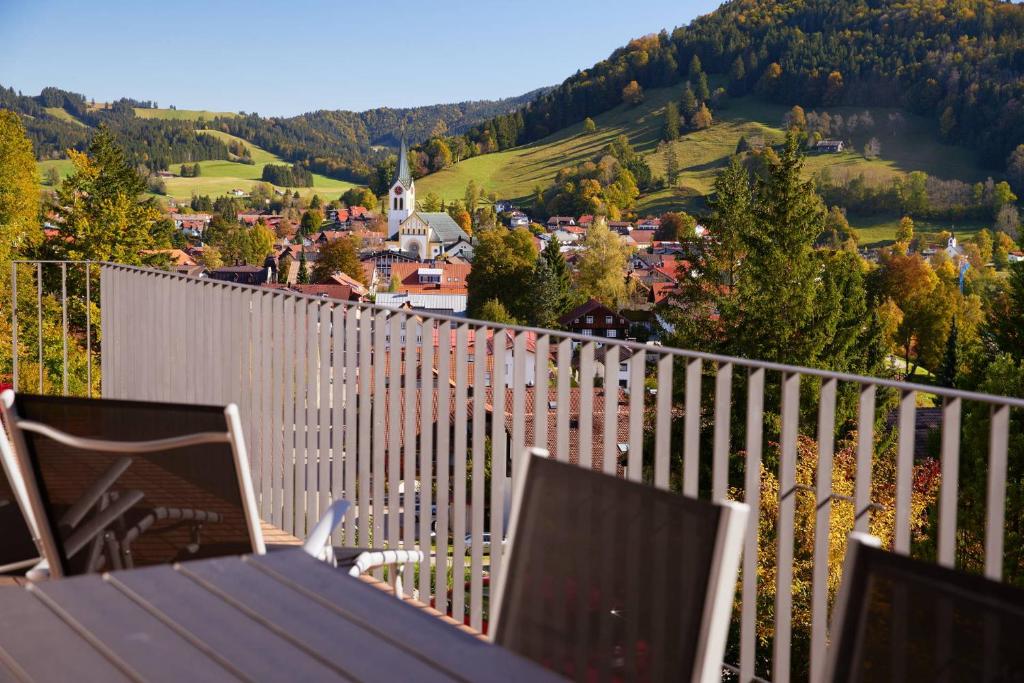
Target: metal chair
608	579
897	618
121	484
18	533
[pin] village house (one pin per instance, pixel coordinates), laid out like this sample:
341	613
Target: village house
829	146
595	319
557	222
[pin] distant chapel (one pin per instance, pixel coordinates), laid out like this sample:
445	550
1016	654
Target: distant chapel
424	235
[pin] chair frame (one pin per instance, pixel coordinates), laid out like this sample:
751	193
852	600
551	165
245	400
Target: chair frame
718	600
9	468
14	458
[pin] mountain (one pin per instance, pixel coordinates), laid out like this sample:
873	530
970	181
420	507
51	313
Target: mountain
342	144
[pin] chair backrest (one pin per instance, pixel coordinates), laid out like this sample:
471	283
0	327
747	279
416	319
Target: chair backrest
118	484
18	548
896	618
608	578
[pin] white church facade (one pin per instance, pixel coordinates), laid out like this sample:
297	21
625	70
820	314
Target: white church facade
424	235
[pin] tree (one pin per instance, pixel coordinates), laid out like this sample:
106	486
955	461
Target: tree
440	154
503	264
984	241
946	376
671	164
588	125
211	258
702	119
359	196
1002	196
284	265
701	90
494	311
695	69
470	197
1015	168
795	119
872	149
1005	326
905	234
670	131
545	291
562	287
52	176
303	277
737	76
19	189
633	94
341	255
676	227
316	203
1008	220
99	208
688	101
430	203
310	223
602	266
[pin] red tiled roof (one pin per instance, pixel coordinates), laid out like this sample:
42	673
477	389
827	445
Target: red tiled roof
453	277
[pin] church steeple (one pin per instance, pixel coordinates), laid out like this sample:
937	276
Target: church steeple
402	174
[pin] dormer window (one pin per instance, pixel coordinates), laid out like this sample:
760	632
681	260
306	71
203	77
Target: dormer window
589	320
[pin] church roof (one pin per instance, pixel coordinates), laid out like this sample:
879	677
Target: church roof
402	174
446	229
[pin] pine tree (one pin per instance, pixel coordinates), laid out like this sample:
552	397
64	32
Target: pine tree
552	254
303	278
778	284
671	164
695	70
670	132
701	90
688	102
948	371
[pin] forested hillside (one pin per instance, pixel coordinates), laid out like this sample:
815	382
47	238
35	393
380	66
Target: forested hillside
341	144
958	62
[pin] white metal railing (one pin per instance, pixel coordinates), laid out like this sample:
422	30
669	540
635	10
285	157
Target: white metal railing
343	399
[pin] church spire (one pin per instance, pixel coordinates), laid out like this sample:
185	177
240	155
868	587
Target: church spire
402	174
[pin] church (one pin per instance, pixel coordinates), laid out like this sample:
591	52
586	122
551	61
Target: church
421	234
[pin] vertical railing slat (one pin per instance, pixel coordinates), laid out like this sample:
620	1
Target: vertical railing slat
787	509
865	454
394	444
635	467
663	422
477	497
562	402
822	528
540	392
585	417
290	365
444	464
949	482
365	435
691	438
64	326
426	464
752	497
499	457
379	437
720	447
904	470
350	431
611	410
459	475
410	499
518	398
995	505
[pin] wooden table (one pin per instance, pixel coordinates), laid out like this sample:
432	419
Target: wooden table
281	616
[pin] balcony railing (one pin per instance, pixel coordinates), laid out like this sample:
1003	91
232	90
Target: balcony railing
419	419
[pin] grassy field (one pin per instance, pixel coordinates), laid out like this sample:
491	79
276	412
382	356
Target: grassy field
514	173
881	230
58	113
221	176
182	114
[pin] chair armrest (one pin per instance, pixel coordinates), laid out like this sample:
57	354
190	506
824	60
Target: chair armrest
383	558
317	541
39	572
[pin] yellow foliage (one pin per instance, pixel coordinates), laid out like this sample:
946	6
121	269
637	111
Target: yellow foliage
881	523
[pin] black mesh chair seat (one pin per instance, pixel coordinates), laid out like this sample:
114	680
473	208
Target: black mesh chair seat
897	618
608	579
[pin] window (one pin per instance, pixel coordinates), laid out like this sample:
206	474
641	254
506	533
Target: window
607	320
612	333
589	319
587	333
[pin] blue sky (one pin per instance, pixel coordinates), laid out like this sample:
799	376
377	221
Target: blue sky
284	58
